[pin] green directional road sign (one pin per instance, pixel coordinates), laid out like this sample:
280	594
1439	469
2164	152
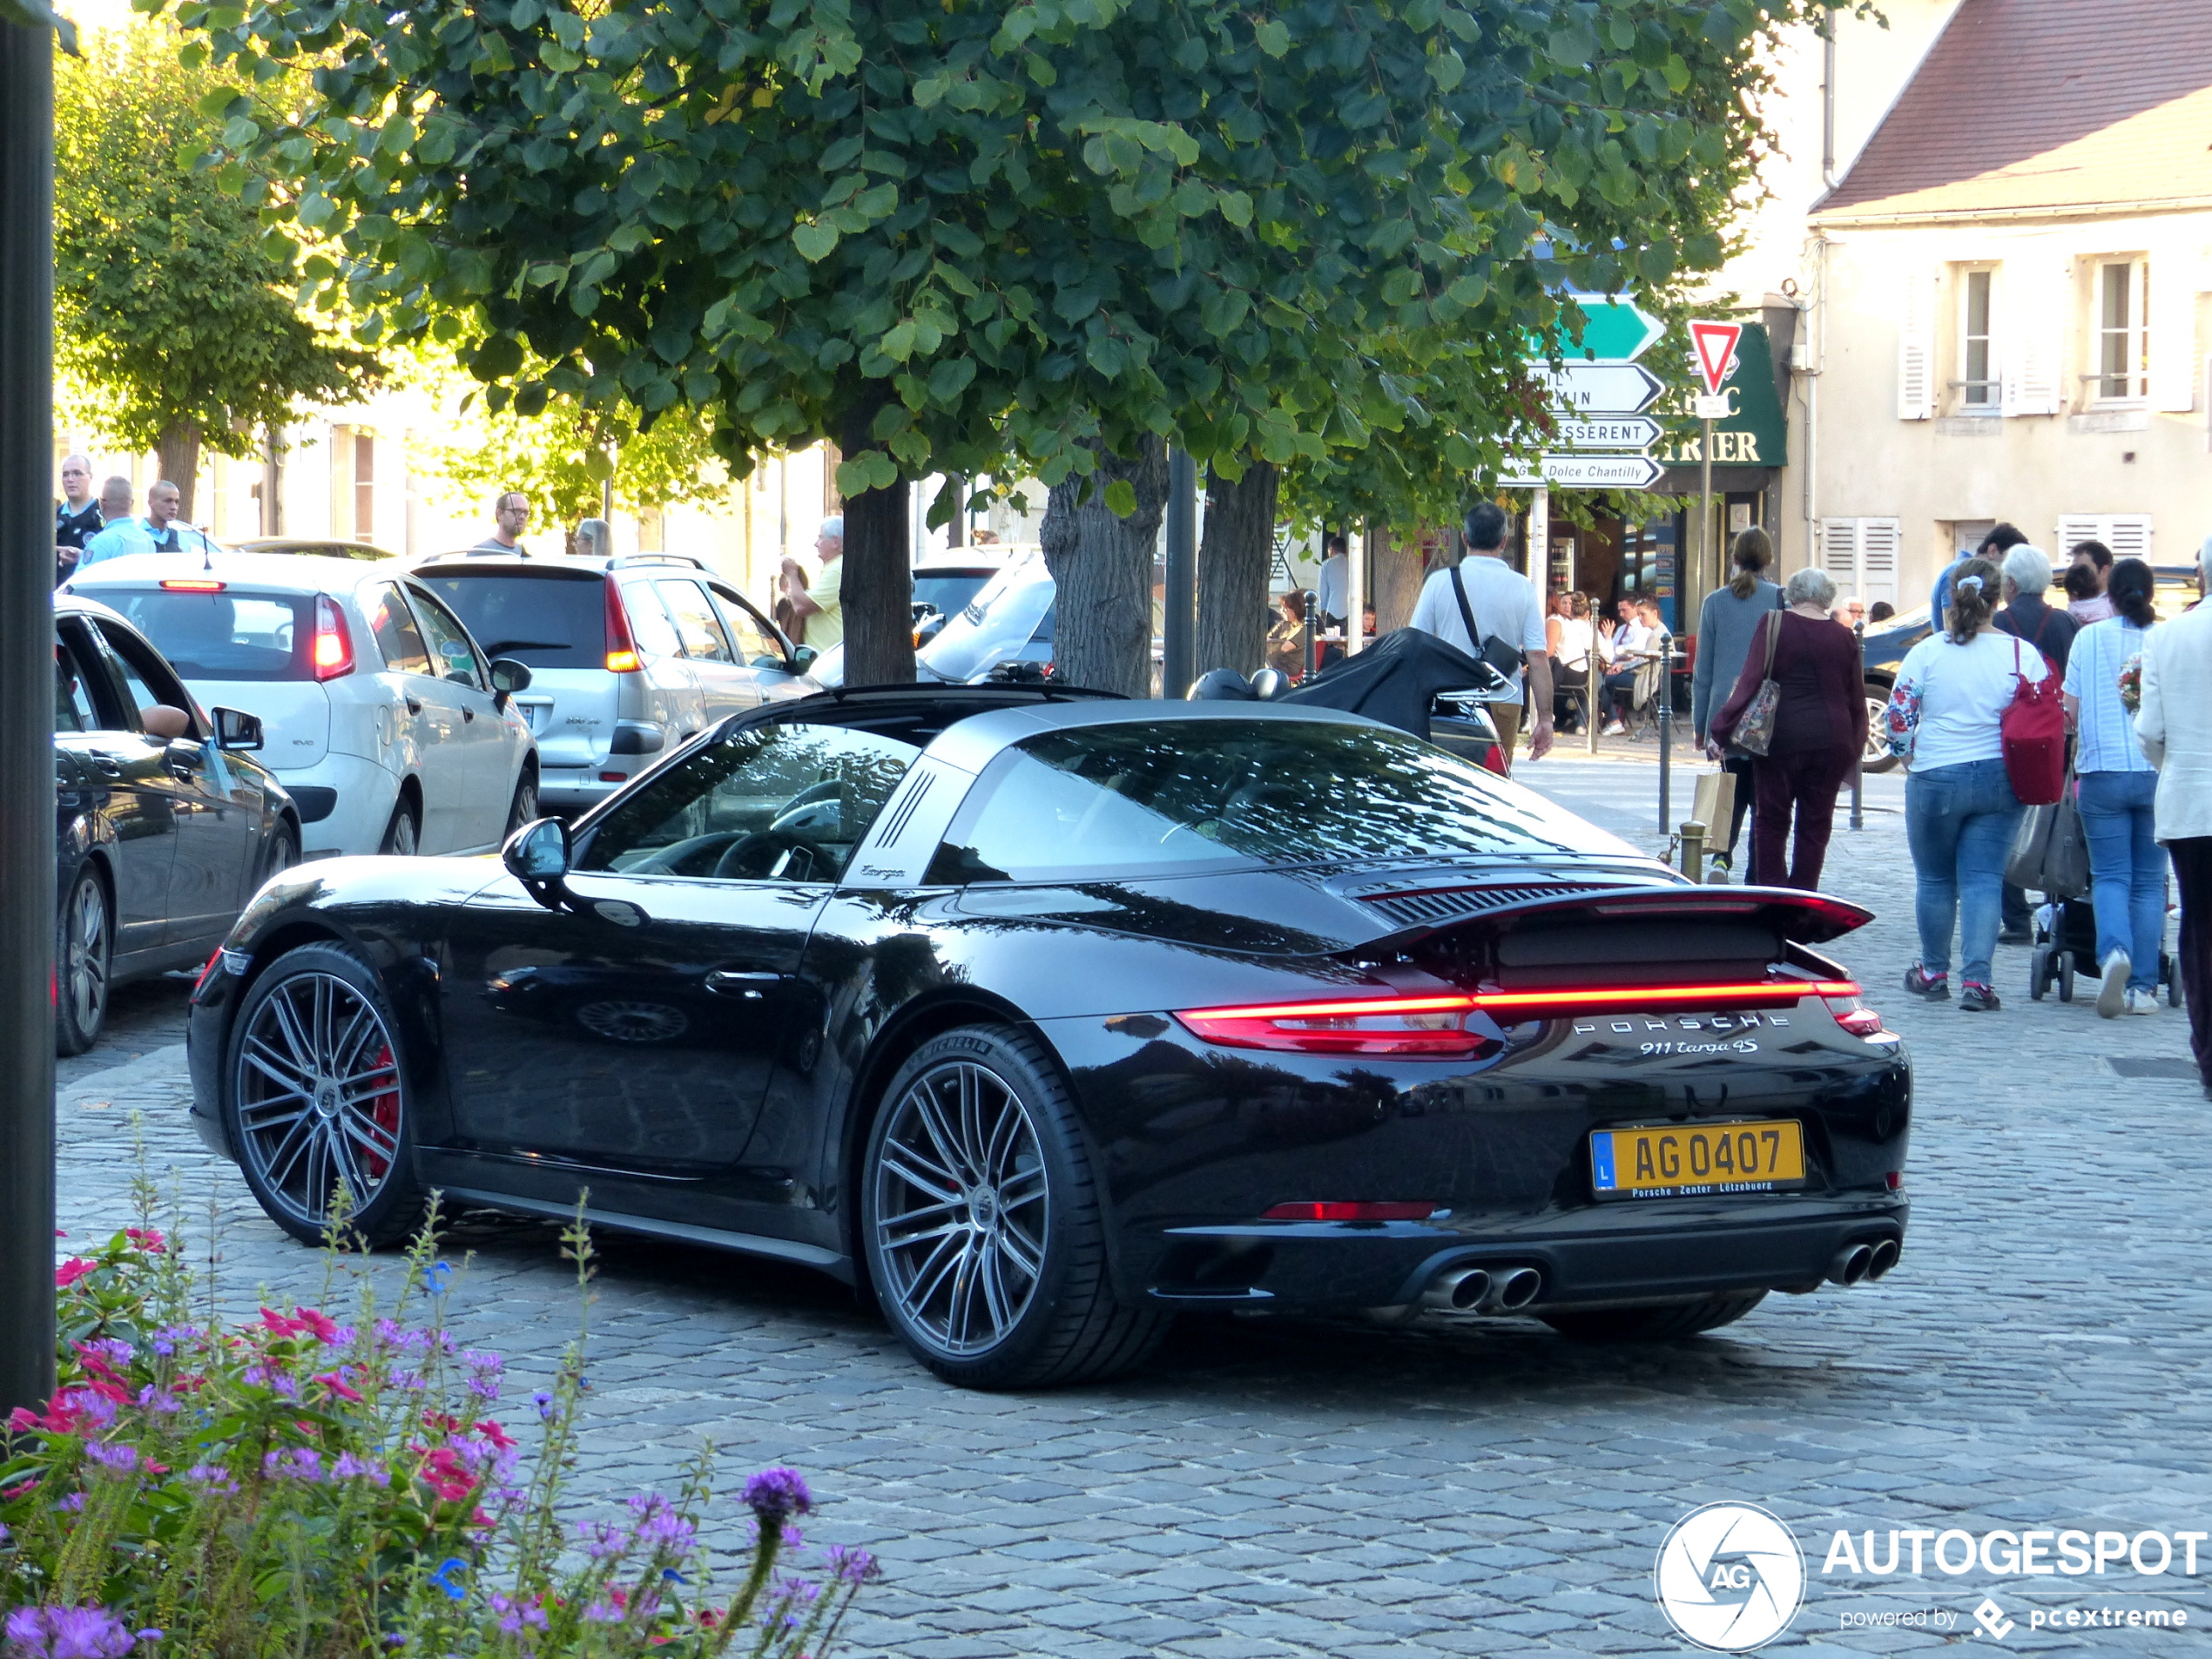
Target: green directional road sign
1615	331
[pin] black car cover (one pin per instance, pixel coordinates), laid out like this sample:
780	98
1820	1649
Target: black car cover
1396	680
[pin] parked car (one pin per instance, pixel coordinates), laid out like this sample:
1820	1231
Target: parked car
164	827
1886	649
391	729
314	547
943	587
1041	1016
1008	621
628	656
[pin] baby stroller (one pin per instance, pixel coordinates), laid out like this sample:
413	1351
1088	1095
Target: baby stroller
2066	944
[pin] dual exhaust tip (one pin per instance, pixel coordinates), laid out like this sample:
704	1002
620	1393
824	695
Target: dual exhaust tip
1483	1290
1857	1263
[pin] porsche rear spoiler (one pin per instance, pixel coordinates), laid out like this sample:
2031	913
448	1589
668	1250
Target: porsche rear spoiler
1805	918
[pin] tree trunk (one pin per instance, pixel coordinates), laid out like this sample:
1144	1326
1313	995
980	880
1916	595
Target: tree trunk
1400	570
877	585
1233	563
1102	574
179	451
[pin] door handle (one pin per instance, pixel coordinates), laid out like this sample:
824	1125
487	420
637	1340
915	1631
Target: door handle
468	714
749	986
414	705
108	765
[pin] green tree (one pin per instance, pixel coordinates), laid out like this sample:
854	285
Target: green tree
958	234
171	311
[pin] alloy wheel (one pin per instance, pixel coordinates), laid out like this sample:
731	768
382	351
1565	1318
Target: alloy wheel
962	1208
84	954
318	1095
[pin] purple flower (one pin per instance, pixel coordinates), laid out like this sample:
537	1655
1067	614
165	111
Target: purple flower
152	1398
70	1633
666	1529
300	1463
775	1494
116	1460
170	1338
349	1467
602	1613
389	1331
853	1566
484	1388
71	1504
212	1476
514	1614
602	1540
543	1401
96	1409
114	1350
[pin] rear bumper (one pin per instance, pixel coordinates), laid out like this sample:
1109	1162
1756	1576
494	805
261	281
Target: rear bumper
1660	1251
572	790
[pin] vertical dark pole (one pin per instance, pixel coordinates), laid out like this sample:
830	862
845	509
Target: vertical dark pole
1666	726
26	717
1858	766
1180	597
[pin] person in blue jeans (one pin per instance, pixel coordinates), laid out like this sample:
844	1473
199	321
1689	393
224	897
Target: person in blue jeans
2118	786
1945	718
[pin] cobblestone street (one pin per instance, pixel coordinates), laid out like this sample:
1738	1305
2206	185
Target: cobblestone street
2041	1359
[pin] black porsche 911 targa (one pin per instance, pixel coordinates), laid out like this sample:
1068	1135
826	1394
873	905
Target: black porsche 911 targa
1041	1015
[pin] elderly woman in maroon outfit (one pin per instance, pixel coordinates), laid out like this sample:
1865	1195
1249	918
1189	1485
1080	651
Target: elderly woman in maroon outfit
1819	730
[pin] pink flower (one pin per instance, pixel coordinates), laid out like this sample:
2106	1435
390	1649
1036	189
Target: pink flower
443	1473
322	1325
336	1383
70	1272
147	1238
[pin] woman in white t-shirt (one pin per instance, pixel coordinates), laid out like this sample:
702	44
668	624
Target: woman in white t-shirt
1945	718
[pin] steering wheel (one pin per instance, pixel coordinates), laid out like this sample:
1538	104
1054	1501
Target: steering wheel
694	856
751	858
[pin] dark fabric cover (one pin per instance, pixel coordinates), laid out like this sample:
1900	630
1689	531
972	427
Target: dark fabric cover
1395	680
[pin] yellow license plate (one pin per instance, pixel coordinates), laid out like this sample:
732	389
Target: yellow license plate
1681	1160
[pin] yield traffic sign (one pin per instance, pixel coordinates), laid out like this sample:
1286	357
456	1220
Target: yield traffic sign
1714	349
1602	388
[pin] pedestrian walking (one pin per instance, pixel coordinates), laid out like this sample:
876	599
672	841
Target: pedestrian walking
2176	691
1490	610
1945	718
2001	540
2115	796
1725	626
510	515
1818	735
2027	571
1332	584
2087	578
819	602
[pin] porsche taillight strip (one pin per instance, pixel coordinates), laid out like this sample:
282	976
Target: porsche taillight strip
1565	1000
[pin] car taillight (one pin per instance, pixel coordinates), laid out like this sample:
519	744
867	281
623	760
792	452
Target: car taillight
622	648
1436	1026
1494	760
1855	1017
333	645
1353	1210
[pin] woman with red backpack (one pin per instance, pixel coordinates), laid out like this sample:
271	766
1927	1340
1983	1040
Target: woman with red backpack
1948	719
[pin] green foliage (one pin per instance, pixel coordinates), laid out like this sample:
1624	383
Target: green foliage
296	1486
1274	231
171	309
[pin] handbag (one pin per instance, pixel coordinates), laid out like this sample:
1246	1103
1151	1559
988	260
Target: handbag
1754	733
1491	648
2051	851
2032	732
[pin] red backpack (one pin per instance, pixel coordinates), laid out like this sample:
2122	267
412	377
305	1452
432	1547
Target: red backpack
2033	730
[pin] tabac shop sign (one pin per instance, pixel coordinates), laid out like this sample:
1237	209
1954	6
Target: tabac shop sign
1755	434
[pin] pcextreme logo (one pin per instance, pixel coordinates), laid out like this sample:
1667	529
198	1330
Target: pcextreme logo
1729	1576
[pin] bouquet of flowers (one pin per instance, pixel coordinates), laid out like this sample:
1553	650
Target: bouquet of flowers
2131	683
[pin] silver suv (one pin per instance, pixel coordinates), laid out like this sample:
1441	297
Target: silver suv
628	656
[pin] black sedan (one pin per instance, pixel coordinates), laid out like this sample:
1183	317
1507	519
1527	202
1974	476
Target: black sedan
163	827
1042	1015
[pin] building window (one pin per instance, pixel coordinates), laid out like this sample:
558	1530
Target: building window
1978	387
2119	369
364	486
2127	534
1861	556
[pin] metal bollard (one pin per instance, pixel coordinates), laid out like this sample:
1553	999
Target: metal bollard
1693	850
1666	721
1858	766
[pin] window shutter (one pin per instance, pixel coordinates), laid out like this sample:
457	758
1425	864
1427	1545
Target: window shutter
2172	316
2037	290
1878	542
2127	534
1840	551
1916	349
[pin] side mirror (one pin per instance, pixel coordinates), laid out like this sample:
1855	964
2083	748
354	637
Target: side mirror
538	854
507	677
802	659
236	729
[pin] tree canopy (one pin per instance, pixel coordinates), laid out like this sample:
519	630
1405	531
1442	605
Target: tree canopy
171	311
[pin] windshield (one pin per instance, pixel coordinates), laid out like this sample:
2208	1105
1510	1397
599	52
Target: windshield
1175	797
948	591
995	626
223	636
546	619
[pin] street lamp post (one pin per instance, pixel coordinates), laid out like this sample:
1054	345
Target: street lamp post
1180	580
26	717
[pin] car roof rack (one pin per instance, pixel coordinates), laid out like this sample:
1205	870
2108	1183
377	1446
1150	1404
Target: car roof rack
624	561
1043	689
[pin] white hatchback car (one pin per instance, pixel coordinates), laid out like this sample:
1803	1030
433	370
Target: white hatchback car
384	721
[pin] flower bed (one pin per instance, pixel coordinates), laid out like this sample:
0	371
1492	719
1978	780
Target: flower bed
301	1485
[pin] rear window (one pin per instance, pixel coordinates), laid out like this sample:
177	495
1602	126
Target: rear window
223	636
948	593
546	619
1182	796
995	626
